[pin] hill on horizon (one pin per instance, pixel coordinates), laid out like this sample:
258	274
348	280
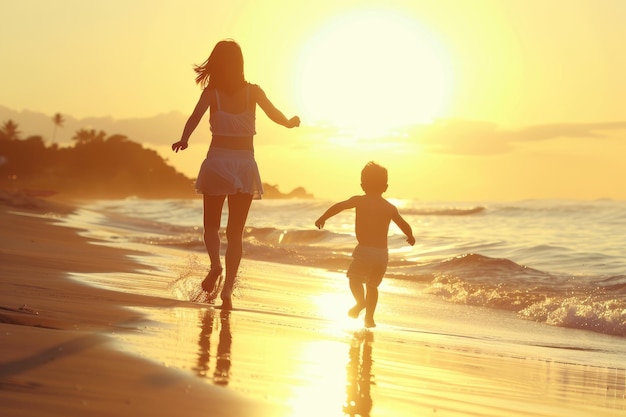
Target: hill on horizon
91	164
158	130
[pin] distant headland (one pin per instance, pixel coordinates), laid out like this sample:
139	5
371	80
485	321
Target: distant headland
96	165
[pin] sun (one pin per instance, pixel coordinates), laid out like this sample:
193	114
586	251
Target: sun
373	70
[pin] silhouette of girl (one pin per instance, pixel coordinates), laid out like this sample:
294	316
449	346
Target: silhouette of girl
229	170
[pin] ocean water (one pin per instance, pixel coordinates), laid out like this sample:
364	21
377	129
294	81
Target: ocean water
558	263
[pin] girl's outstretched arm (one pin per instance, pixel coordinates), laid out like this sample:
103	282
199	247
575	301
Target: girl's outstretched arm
272	112
194	119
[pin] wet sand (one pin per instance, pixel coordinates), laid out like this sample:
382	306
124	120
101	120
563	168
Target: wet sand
57	349
98	328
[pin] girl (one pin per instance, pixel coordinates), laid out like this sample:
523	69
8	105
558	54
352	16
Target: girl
229	171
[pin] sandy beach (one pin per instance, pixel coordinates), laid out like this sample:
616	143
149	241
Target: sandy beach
57	355
90	327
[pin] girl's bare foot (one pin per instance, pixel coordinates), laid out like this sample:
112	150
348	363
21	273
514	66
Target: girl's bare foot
209	283
227	303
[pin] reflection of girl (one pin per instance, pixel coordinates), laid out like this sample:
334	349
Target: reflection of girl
221	375
229	169
222	363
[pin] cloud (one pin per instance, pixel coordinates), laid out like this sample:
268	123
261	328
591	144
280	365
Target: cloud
567	130
447	136
465	137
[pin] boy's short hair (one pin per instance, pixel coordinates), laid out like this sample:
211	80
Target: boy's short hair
374	178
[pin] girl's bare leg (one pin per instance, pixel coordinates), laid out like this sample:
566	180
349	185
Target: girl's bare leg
238	208
212	218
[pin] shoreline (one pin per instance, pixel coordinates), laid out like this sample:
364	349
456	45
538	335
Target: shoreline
70	348
58	358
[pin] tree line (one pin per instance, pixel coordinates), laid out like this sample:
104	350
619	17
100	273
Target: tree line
97	165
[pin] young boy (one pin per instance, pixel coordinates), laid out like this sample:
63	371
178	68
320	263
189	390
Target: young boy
373	216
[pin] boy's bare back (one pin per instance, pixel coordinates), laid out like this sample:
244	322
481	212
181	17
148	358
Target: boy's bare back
373	216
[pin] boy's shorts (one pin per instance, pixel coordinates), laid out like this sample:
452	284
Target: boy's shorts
369	265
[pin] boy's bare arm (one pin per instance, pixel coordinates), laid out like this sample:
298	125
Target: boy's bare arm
405	227
335	209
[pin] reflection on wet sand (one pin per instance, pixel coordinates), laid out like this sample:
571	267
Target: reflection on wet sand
209	323
359	378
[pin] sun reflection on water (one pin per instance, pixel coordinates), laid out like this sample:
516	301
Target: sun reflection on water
326	391
313	350
338	371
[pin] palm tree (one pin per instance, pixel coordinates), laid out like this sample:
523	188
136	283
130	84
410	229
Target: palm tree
9	131
84	136
58	121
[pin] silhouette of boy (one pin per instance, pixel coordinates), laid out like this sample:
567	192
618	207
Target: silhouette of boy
373	216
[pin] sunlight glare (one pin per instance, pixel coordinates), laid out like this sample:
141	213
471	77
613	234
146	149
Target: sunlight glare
373	69
326	360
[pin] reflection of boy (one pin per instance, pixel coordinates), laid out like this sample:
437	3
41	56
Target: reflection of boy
373	216
360	377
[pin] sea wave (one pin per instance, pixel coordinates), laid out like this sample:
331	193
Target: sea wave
443	211
596	303
590	312
531	258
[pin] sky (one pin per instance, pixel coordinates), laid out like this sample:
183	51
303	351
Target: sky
461	100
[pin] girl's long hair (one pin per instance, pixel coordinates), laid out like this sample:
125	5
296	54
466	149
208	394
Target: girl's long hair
223	69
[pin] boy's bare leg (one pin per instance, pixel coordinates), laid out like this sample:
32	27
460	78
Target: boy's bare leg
358	292
371	300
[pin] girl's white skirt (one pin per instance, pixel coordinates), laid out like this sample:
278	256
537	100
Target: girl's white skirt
229	171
